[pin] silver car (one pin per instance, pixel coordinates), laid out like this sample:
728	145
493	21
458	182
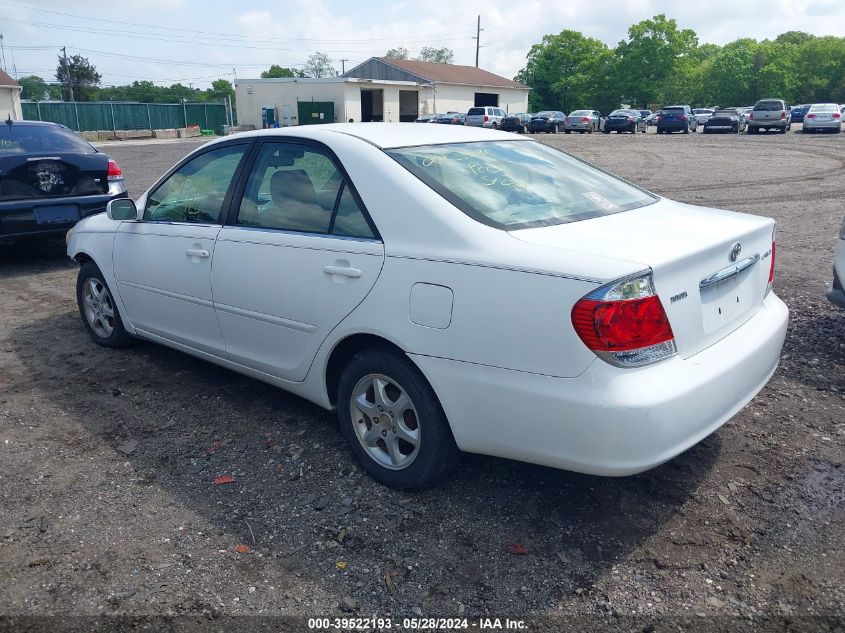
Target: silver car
702	114
823	116
769	114
837	293
485	116
582	121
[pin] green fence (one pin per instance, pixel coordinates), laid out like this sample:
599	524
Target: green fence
108	115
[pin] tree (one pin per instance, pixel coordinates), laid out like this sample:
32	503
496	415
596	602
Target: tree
437	55
568	71
655	51
319	65
277	72
398	53
84	77
220	89
33	88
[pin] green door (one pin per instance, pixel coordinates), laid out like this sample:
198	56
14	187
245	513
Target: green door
314	112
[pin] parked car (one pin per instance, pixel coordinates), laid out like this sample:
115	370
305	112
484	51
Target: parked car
837	293
796	113
517	122
485	117
426	118
823	116
769	114
725	120
582	121
652	118
677	118
50	178
547	121
702	114
624	120
646	114
416	329
451	118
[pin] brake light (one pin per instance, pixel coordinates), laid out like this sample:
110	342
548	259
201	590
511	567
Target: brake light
783	115
683	117
585	120
771	282
750	116
810	116
836	115
624	323
486	118
114	172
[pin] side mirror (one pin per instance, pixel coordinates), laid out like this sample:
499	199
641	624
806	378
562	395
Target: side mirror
122	209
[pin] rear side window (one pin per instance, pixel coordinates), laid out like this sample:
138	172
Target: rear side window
519	184
475	111
20	138
769	106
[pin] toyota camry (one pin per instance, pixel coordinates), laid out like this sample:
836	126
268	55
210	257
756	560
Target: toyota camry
445	289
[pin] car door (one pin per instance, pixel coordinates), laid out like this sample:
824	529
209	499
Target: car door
163	263
298	254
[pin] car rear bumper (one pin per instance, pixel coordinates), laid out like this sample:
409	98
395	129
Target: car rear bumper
18	218
609	421
810	124
577	126
673	127
773	123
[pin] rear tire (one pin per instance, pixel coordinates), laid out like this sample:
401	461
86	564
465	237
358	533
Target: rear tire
565	131
375	380
98	310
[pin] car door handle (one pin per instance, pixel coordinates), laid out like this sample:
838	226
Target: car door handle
197	252
343	271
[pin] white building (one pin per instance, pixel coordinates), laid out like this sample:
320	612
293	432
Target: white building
380	89
10	98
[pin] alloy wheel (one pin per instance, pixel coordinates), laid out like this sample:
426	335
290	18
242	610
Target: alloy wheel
98	307
385	421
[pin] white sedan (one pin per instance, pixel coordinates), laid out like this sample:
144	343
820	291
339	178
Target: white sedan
446	289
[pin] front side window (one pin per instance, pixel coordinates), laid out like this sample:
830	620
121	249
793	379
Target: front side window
296	187
519	184
196	191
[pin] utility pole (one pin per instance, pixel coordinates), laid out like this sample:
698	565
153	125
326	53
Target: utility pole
343	65
3	50
67	70
477	39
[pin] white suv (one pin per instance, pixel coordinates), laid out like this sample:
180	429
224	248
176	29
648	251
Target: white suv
485	116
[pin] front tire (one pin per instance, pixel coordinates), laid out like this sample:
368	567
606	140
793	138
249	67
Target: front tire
97	308
393	421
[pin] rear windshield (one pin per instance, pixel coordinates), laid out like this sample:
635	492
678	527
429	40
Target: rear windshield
727	112
674	110
476	111
768	106
825	107
623	113
580	113
545	113
519	184
35	139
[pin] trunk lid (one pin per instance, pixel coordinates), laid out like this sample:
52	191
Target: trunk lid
683	245
52	175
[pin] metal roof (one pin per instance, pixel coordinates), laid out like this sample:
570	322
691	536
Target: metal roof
428	72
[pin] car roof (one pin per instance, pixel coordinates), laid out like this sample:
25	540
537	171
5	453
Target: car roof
389	135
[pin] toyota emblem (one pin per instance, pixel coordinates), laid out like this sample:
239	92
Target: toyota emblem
736	249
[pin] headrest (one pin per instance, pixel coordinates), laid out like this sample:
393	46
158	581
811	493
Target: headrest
294	184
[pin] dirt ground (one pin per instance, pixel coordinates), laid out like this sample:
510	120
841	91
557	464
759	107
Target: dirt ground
107	463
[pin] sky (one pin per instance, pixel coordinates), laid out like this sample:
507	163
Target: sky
197	41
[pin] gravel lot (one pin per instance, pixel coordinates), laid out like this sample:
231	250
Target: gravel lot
108	459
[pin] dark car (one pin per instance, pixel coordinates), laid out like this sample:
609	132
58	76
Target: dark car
624	120
676	119
798	112
451	118
731	120
517	122
547	121
50	178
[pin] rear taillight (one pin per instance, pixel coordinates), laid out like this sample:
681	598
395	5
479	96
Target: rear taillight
810	116
114	172
836	115
624	323
750	116
486	118
682	117
771	282
585	120
783	115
